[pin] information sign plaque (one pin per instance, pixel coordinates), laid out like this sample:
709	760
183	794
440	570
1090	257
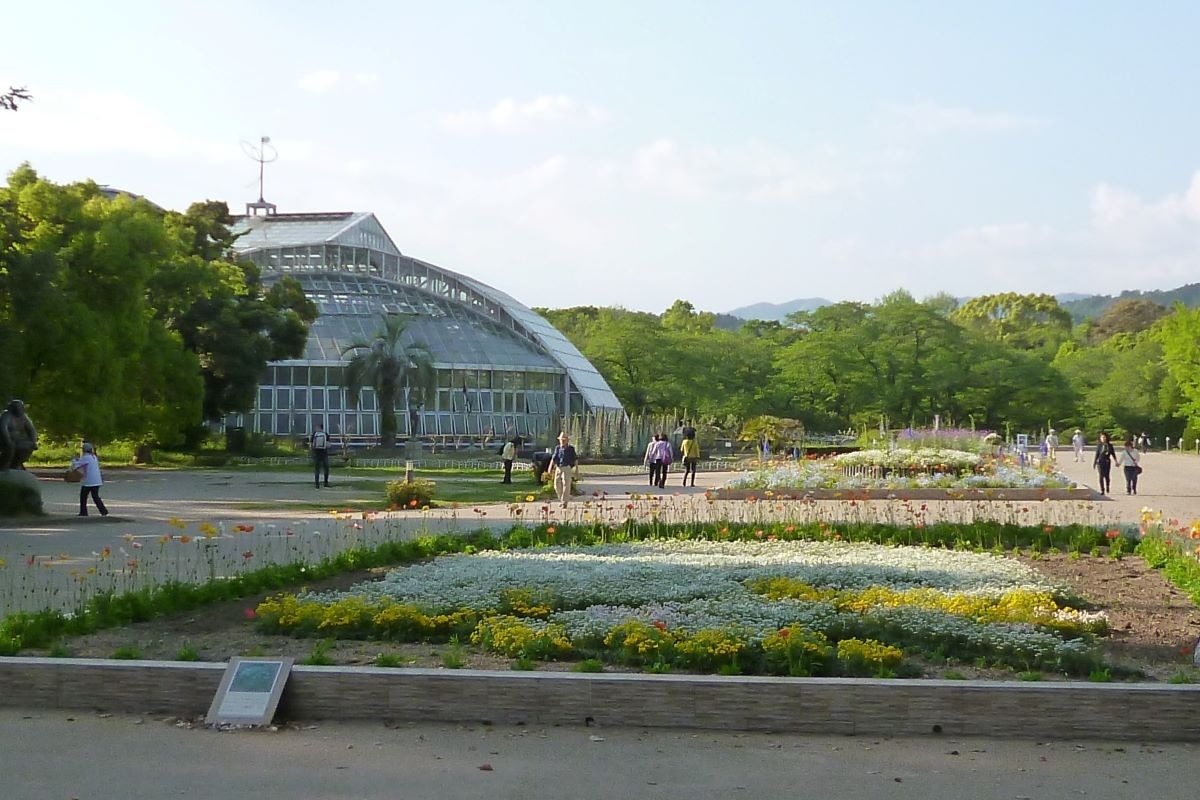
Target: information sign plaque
249	691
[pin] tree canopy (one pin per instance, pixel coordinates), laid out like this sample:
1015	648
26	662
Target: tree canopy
120	320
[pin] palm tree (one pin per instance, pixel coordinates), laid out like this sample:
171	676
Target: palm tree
388	365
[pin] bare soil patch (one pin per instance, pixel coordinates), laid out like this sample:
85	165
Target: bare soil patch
1154	628
1153	625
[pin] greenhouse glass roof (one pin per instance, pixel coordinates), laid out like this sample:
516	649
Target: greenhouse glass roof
462	321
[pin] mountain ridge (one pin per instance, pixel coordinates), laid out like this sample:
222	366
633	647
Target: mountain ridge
1081	306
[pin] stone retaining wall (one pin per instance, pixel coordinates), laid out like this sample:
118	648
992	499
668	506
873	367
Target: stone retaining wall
801	705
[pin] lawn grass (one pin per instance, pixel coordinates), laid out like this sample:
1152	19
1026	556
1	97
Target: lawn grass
369	487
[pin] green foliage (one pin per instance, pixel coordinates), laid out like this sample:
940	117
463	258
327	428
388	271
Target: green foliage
417	494
127	653
391	660
588	665
187	653
319	656
1024	321
453	656
118	319
1181	568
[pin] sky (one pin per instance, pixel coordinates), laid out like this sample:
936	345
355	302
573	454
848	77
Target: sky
635	153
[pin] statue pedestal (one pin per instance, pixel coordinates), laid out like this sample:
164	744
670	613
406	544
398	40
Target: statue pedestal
20	493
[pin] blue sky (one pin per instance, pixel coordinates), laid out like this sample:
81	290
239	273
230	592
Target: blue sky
633	153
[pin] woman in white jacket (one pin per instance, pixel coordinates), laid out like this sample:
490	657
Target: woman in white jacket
1130	460
91	482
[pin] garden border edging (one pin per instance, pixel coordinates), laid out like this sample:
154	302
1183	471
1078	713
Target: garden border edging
851	706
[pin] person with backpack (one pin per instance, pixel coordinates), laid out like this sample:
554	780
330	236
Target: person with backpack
320	454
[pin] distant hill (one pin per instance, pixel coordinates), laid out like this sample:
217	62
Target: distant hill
777	311
1091	307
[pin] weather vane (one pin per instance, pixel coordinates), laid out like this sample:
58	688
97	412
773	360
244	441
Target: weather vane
264	154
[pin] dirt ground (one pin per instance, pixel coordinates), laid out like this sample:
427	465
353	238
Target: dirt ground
1153	628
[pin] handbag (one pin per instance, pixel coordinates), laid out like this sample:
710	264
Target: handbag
1137	469
74	475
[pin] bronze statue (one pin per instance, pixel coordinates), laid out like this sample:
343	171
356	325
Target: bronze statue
18	437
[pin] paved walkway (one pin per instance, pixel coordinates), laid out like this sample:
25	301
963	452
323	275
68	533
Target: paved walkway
60	755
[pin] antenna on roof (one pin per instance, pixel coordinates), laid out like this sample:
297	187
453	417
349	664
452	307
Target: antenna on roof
263	153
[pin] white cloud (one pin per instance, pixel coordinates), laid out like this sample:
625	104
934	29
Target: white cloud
320	81
1127	242
753	171
510	116
927	118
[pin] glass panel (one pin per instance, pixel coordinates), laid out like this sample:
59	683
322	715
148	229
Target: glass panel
299	376
300	399
283	376
444	426
335	399
368	400
262	423
283	398
368	425
485	401
264	399
473	424
318	399
460	424
351	424
281	423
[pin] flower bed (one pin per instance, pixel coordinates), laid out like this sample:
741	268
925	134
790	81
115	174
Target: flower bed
778	607
901	470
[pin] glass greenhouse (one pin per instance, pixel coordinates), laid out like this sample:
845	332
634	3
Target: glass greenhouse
502	370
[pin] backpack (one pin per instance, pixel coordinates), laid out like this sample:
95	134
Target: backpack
319	441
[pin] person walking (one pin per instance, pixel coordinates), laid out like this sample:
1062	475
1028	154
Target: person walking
663	456
508	454
1103	461
1131	463
320	455
91	481
1051	447
691	456
650	462
1077	443
562	467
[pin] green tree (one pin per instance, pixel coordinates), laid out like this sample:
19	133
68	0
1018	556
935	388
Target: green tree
75	325
223	312
1179	334
682	316
1131	315
1023	321
389	364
